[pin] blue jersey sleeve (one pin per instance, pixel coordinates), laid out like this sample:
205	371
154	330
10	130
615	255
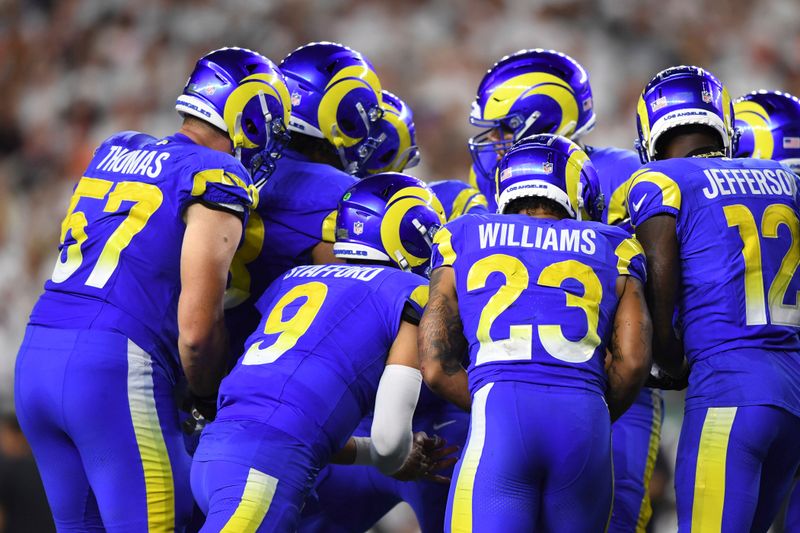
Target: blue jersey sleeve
653	192
629	253
221	180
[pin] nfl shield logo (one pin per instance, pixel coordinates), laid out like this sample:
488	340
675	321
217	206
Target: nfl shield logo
547	167
295	99
706	97
358	227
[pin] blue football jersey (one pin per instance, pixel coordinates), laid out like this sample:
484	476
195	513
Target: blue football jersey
459	198
296	212
537	297
312	367
614	168
739	239
118	267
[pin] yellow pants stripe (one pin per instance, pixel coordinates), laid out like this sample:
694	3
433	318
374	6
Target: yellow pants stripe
646	510
256	500
158	482
461	520
709	484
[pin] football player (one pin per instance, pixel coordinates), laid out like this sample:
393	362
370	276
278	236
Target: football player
335	340
721	238
537	296
336	108
544	91
135	300
768	124
354	498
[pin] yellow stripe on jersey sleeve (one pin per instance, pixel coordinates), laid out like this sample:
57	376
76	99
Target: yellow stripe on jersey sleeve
420	296
218	175
443	239
670	192
618	203
466	200
625	252
329	227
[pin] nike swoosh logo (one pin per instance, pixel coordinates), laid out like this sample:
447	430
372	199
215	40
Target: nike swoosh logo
637	205
443	424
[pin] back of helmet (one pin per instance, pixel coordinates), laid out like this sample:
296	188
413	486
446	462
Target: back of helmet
678	97
389	218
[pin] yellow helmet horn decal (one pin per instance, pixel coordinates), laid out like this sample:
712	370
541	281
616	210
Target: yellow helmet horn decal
248	89
758	119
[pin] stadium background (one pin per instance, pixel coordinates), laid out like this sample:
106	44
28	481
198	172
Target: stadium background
74	71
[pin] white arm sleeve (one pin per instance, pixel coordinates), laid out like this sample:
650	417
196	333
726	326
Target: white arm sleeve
395	402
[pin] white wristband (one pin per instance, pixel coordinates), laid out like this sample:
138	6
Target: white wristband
363	451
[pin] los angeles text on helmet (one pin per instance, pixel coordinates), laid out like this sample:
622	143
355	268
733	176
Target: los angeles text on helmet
562	240
732	181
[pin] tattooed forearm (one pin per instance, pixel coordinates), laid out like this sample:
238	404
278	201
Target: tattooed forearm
441	341
441	332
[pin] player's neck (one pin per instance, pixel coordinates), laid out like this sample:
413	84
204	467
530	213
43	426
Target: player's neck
689	144
206	136
539	213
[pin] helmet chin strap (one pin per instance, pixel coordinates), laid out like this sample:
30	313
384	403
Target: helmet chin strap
533	117
401	261
238	136
426	234
262	100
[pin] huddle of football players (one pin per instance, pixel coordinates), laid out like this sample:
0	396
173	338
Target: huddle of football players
342	336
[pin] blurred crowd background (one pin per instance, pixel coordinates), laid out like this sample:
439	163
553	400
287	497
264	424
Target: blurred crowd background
74	71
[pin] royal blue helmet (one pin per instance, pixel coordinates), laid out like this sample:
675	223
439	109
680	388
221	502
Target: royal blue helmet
683	96
769	126
243	94
526	93
552	167
389	217
398	148
336	96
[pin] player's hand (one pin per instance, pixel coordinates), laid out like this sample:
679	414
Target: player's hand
428	455
658	379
